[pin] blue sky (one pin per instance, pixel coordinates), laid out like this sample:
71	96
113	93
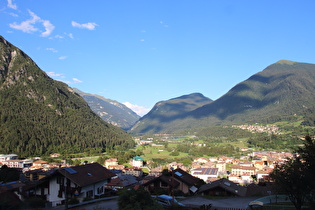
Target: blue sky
140	52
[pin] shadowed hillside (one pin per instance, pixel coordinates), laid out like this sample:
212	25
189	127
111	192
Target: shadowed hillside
280	92
39	115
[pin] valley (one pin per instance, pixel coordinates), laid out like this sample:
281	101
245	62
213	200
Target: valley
51	132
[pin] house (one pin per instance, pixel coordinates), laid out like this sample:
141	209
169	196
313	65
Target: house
83	181
222	187
240	170
39	164
201	160
205	173
13	163
54	155
176	180
221	165
110	163
134	171
122	182
213	159
137	161
246	163
156	171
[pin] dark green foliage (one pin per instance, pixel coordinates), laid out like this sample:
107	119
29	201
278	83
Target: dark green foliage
296	176
276	142
137	200
39	115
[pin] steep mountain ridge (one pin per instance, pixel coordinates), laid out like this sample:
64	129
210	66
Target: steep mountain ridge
281	91
167	111
110	111
39	115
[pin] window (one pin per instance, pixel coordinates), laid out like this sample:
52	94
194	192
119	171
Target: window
89	194
100	190
60	180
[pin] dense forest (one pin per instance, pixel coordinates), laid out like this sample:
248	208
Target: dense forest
39	115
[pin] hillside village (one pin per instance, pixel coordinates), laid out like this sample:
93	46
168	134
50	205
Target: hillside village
53	182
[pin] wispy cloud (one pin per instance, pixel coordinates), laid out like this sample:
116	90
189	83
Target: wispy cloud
52	50
62	57
13	14
164	24
89	26
29	26
70	35
75	80
140	110
58	36
11	5
53	74
62	78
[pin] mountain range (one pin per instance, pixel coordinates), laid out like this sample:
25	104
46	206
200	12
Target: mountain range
283	91
109	110
39	115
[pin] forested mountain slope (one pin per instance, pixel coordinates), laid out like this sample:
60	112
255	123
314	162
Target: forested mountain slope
283	91
165	112
39	115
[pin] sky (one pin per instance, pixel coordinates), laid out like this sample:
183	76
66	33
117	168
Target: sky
140	52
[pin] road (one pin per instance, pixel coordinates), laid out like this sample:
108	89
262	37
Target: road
235	202
102	205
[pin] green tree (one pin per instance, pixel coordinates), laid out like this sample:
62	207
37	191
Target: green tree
295	176
137	199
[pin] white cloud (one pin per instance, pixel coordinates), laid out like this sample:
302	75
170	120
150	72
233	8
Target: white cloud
11	5
52	50
53	74
164	24
59	37
61	77
70	36
13	14
141	40
62	57
28	26
76	80
48	28
89	26
140	110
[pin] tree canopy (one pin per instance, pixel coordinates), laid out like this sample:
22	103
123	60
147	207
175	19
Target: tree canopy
296	176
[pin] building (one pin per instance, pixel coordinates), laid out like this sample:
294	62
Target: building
222	187
205	173
110	163
134	171
176	180
83	181
13	163
137	161
221	165
240	170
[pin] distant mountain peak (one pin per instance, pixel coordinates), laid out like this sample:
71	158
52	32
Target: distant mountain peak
287	62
